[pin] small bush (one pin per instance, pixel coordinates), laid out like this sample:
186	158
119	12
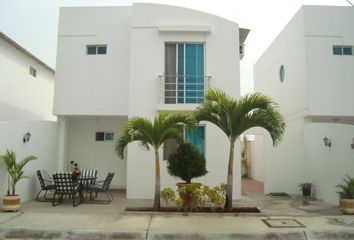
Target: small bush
187	162
168	195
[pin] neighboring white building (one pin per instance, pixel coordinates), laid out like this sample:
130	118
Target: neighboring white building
26	100
309	72
117	62
22	77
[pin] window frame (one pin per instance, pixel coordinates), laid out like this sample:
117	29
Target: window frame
176	43
342	49
33	71
96	46
105	134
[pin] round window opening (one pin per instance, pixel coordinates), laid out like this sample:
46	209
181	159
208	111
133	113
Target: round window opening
281	73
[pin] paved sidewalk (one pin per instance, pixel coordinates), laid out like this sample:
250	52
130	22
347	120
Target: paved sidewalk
92	221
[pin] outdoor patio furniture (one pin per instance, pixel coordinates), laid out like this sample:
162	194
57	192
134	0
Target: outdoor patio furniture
65	186
103	187
47	184
90	175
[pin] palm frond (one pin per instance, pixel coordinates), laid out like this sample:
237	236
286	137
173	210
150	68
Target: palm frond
234	117
154	133
24	161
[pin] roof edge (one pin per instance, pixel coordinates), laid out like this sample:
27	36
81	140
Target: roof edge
23	50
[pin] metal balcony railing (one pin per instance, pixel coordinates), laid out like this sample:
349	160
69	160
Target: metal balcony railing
183	89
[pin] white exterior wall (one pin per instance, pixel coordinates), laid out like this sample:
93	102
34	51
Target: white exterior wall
288	49
43	144
147	62
22	96
330	77
93	84
256	158
325	166
88	153
317	86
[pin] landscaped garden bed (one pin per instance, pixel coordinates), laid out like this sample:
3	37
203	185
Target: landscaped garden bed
200	210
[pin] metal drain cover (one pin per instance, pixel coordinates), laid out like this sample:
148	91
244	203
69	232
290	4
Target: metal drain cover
282	223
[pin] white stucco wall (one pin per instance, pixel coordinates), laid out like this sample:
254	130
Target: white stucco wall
326	166
93	84
318	86
43	144
288	49
257	158
22	96
328	74
316	81
147	62
88	153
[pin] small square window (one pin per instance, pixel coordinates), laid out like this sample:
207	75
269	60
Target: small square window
33	71
337	50
109	136
100	136
347	51
91	50
102	50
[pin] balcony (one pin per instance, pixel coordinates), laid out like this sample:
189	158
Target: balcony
183	89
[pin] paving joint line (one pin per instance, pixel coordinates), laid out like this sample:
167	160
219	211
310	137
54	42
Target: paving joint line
148	228
13	217
305	235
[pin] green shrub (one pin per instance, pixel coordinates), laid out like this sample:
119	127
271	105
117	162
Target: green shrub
190	196
168	195
186	162
214	197
347	188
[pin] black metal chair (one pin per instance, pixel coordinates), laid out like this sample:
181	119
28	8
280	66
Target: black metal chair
101	187
65	186
47	184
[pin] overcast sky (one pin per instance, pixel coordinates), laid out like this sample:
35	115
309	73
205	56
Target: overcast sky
34	23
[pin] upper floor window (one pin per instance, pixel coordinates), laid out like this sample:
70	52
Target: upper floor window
33	71
342	50
96	49
184	77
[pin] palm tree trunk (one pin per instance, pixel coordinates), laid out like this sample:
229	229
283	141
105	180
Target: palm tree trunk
13	189
229	186
157	181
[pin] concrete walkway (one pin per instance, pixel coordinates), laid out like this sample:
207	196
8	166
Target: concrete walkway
93	221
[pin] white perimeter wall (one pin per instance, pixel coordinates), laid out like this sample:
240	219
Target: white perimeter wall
147	62
257	158
43	145
22	96
83	148
283	164
325	166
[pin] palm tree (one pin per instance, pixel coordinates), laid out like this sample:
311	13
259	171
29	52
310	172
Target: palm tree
14	169
165	126
234	117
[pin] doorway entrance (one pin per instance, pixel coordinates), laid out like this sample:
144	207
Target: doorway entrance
252	155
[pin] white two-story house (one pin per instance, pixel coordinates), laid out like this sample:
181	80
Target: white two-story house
309	71
118	62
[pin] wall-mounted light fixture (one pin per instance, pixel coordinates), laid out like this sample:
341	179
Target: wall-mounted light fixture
26	137
327	141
